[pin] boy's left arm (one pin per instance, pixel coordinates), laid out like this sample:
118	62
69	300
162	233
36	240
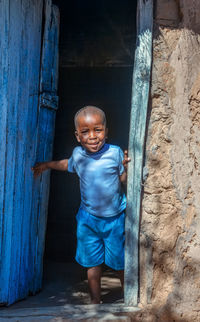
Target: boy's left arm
123	177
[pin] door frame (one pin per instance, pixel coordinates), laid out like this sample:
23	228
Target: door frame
139	106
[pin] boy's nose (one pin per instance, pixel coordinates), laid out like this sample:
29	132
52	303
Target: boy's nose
92	135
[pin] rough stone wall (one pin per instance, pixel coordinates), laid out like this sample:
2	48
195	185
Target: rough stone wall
170	220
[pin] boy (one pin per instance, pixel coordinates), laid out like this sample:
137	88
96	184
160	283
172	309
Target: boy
100	220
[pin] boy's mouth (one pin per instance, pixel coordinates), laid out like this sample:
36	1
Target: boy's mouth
93	146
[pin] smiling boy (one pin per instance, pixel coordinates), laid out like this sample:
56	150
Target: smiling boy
101	168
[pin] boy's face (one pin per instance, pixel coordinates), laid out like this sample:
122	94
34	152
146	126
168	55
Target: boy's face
91	132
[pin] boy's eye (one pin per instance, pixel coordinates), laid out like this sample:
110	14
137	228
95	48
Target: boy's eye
84	131
98	130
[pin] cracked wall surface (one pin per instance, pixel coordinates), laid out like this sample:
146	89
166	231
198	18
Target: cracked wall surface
170	216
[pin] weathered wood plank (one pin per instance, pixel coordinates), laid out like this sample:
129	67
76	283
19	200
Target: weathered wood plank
29	120
28	36
47	121
49	62
15	43
4	30
47	109
4	22
139	104
22	238
13	72
20	28
71	312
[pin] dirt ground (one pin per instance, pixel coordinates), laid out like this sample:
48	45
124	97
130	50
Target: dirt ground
65	297
66	283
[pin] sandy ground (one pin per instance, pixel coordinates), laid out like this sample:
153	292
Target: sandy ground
64	297
66	283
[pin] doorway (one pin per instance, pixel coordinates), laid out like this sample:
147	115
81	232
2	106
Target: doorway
96	64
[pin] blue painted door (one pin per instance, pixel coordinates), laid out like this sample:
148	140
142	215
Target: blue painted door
48	103
28	85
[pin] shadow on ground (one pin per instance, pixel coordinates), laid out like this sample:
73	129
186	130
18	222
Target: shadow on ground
66	283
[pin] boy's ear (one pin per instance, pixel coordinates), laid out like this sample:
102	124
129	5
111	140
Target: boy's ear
106	133
77	136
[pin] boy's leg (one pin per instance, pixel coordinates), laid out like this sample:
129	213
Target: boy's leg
94	282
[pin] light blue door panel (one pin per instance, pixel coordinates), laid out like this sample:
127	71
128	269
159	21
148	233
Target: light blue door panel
48	104
21	48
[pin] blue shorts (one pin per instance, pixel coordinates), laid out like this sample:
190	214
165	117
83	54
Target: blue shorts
100	240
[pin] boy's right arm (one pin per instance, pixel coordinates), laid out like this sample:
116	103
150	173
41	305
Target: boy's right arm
39	167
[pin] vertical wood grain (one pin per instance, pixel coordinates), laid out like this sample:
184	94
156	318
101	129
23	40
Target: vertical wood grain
20	28
47	113
139	104
29	64
29	122
4	84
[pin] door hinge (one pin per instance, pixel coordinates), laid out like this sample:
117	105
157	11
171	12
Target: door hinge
49	101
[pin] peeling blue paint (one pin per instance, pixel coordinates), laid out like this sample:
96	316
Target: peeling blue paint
20	45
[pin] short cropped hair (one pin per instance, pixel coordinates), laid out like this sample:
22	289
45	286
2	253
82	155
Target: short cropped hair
89	110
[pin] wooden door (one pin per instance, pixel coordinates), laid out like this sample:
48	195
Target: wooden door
48	104
25	26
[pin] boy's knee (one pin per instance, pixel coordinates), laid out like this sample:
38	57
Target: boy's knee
94	271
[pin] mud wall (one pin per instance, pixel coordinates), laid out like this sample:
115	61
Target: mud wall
170	219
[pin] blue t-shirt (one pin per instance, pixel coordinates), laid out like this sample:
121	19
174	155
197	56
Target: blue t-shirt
100	186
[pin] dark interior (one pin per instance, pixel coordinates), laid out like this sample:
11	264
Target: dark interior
97	40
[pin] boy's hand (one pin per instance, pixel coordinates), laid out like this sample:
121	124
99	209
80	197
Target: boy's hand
123	177
61	165
126	160
38	168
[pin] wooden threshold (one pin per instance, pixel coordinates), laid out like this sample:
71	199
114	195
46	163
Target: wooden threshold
104	312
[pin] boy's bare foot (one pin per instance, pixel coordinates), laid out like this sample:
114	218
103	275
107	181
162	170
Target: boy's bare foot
95	301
